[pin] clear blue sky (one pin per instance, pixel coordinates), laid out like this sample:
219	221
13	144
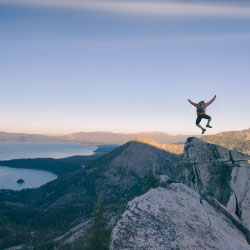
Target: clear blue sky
123	66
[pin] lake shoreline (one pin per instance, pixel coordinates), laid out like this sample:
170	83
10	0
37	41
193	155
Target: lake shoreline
33	150
59	166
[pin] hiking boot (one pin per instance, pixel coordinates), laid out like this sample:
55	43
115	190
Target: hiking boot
203	130
208	126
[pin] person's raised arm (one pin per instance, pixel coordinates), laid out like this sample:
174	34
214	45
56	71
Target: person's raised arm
192	103
208	103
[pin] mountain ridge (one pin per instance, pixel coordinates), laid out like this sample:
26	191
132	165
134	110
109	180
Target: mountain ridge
236	140
95	138
66	203
231	139
69	200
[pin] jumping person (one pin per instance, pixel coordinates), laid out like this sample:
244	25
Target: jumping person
201	113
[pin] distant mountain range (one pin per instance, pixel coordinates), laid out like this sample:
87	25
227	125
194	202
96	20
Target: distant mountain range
95	138
121	138
236	140
19	137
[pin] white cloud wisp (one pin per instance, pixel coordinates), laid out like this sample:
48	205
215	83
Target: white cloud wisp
143	8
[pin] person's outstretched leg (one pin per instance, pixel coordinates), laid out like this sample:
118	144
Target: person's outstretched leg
198	120
208	122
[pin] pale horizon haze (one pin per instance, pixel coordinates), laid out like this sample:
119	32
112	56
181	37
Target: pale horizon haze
123	66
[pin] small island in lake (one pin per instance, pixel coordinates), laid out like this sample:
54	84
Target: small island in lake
20	181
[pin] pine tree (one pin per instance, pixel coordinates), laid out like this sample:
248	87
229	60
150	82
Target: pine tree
151	181
98	233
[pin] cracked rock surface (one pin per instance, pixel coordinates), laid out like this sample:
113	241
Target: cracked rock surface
215	171
175	218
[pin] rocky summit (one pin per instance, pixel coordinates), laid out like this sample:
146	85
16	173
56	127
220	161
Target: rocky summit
207	208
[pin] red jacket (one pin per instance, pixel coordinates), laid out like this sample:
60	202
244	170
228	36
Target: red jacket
205	105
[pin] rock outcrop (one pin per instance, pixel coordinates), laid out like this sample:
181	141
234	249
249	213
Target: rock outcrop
210	210
175	218
215	171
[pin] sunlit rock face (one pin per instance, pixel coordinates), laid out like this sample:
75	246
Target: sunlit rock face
175	218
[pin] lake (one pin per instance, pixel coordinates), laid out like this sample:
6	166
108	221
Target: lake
35	178
19	150
32	178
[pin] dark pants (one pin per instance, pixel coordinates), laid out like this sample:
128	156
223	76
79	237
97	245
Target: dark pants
199	117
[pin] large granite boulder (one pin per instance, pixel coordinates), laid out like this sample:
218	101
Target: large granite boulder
175	218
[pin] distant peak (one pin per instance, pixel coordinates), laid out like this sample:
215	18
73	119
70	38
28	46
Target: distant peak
172	148
144	140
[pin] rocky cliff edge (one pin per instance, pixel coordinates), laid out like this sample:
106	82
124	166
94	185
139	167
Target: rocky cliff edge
209	210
